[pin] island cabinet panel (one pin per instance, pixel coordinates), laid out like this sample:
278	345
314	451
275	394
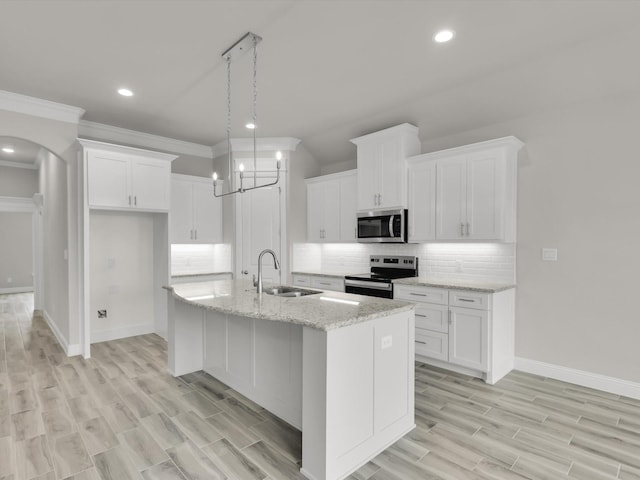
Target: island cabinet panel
240	353
358	393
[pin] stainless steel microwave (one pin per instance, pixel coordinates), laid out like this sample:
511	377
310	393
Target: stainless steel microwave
382	226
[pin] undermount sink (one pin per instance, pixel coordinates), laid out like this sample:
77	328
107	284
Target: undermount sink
284	291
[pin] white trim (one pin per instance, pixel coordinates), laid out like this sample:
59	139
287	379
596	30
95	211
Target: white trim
14	102
8	290
262	144
71	350
614	385
109	133
17	204
113	148
28	166
122	332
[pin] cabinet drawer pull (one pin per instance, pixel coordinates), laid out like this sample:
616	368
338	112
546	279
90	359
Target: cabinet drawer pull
467	229
135	200
423	343
324	283
467	300
418	294
462	229
129	199
419	315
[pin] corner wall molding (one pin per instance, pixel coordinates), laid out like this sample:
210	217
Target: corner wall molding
109	133
17	204
5	291
37	107
583	378
28	166
246	145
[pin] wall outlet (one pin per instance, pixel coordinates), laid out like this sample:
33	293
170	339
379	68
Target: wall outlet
458	265
550	254
111	263
9	280
102	313
387	342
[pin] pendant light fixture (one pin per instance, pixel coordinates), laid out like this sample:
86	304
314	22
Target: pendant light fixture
248	42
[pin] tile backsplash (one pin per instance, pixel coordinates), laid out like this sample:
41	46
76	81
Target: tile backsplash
489	262
195	259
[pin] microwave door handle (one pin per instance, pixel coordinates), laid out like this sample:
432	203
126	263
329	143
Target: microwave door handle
391	226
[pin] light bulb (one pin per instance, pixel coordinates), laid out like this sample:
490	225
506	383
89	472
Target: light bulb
250	126
241	167
443	36
125	92
215	176
278	155
8	150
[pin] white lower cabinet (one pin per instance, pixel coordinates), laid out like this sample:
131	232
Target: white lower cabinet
465	331
321	282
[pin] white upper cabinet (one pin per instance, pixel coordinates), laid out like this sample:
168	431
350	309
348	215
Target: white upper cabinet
474	192
126	178
331	208
382	166
421	182
196	215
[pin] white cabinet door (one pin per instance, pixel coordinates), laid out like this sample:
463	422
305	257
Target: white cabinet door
485	200
468	338
369	157
108	180
422	201
151	184
331	211
391	173
348	208
315	211
181	212
451	202
207	214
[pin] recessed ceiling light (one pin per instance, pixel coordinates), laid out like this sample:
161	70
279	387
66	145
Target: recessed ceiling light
125	92
250	126
8	150
443	36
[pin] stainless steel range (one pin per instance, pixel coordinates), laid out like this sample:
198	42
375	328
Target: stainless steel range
384	269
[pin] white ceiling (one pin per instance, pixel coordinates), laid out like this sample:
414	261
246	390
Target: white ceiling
25	153
327	70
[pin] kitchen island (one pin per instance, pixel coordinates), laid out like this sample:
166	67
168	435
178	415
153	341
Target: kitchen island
337	366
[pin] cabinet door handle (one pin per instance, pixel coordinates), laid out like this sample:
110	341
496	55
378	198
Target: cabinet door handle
419	315
129	199
190	234
379	199
467	229
375	199
195	234
135	200
423	343
449	317
418	294
462	229
245	272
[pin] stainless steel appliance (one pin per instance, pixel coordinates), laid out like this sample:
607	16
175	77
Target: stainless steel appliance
383	226
384	269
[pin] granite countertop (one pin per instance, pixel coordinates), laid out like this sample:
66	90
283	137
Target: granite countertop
485	287
320	274
199	274
322	311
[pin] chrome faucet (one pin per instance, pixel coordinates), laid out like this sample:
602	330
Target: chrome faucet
276	264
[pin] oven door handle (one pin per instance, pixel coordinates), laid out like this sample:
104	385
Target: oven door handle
375	285
391	235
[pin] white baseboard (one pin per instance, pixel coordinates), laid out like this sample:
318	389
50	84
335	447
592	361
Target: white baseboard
122	332
5	291
614	385
70	349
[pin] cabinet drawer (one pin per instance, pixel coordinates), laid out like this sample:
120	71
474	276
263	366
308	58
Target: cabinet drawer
327	283
432	344
422	294
479	301
432	317
301	281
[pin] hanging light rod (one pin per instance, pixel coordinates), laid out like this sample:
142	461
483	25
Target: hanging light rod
246	43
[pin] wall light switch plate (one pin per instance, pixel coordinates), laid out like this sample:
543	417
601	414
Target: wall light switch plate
550	254
387	342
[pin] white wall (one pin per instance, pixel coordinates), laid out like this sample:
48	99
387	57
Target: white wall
122	274
18	182
16	252
578	192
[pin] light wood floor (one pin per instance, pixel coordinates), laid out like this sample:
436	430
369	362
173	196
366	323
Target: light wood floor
120	416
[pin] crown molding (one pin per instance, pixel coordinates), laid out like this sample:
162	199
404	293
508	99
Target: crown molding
125	150
18	204
109	133
262	144
36	107
28	166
